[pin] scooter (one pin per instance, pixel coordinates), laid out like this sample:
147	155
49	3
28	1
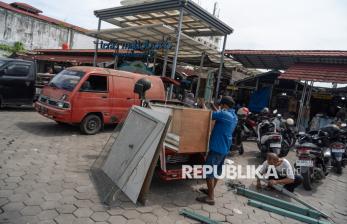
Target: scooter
269	139
314	157
337	138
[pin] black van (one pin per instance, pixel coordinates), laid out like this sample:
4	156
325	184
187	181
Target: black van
17	82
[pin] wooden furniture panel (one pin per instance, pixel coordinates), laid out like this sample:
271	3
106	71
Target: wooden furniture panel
195	130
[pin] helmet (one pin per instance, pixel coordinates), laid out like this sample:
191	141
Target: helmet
290	121
265	110
243	111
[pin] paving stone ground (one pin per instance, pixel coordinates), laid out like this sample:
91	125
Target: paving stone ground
44	178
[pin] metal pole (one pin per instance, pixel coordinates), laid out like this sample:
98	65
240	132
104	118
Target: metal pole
220	66
309	94
200	71
165	63
154	62
97	44
174	63
303	96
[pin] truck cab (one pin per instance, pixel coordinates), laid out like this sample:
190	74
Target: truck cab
91	97
17	82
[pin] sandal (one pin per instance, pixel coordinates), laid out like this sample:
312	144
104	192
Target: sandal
203	190
205	200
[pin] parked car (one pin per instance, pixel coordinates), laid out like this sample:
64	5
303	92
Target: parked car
17	82
92	97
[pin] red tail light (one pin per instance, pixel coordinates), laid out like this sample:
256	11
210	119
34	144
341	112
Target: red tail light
303	150
276	137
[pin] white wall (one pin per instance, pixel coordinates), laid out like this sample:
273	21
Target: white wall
38	34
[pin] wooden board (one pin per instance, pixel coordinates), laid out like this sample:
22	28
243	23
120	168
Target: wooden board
176	121
195	130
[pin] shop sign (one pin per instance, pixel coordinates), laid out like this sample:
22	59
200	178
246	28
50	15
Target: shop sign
322	96
136	45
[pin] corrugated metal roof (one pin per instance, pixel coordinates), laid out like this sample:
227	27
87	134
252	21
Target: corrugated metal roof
41	17
196	20
316	72
283	59
320	53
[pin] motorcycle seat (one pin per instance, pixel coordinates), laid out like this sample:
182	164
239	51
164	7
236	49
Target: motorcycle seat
311	146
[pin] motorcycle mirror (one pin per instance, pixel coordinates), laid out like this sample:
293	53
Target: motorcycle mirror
279	115
275	111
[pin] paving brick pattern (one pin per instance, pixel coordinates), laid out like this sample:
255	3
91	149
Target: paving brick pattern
44	179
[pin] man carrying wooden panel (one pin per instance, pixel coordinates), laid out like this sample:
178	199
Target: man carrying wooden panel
220	142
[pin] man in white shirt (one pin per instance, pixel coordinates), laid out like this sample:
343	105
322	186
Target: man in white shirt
284	173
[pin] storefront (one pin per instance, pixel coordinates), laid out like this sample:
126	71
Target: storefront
307	70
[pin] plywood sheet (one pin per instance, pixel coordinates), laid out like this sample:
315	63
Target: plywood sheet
195	130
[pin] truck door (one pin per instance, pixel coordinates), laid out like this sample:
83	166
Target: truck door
124	97
17	83
93	97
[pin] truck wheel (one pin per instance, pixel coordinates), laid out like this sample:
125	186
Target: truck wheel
91	124
307	179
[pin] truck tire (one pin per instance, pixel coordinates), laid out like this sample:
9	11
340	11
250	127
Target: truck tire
307	183
91	124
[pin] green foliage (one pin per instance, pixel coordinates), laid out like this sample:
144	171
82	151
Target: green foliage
16	47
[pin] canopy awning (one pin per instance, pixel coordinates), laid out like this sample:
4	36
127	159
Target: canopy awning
316	72
283	59
196	20
189	47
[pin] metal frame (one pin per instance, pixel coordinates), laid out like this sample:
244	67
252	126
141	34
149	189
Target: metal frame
183	13
218	28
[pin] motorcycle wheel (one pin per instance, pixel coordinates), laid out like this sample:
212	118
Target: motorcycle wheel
307	182
338	167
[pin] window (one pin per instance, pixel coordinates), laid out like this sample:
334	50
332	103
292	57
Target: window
95	83
19	70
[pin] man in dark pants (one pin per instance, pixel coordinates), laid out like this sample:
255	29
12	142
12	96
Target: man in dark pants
220	142
284	172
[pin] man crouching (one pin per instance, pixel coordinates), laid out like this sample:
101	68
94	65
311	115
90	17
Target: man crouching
284	173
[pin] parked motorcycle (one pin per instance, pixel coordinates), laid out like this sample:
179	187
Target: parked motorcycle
337	139
269	138
314	157
241	130
287	130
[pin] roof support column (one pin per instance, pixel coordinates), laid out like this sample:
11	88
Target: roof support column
200	72
174	63
220	67
301	108
165	62
97	44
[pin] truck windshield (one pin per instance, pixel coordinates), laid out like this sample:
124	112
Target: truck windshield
1	63
66	79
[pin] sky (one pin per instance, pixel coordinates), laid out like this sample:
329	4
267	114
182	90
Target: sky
257	24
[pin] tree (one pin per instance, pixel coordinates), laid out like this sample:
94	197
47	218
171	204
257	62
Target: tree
15	48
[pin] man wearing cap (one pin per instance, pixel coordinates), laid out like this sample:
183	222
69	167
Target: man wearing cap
220	142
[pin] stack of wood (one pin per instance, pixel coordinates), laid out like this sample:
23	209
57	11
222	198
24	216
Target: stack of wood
172	141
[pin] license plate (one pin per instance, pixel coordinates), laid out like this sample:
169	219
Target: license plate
308	163
338	150
275	145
